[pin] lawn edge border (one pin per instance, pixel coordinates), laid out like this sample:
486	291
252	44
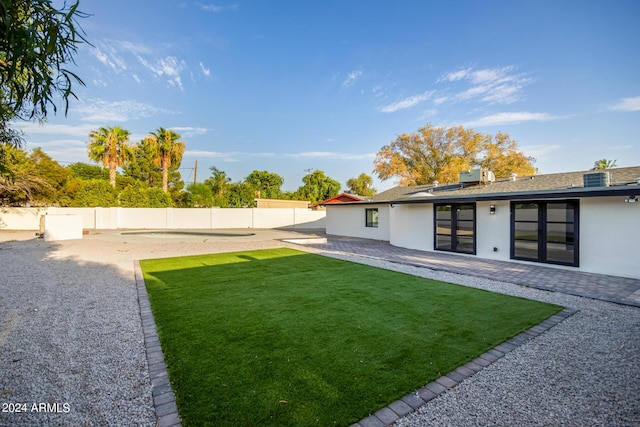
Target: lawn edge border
413	401
164	400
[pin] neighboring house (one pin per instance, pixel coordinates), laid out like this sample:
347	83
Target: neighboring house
340	198
587	221
279	204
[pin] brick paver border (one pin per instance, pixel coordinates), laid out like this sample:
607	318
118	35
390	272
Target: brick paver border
412	402
164	400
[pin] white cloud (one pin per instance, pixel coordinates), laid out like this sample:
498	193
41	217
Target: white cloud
407	102
188	131
331	155
110	57
205	71
101	111
169	67
30	128
216	9
510	117
454	76
627	105
488	85
352	77
540	151
232	156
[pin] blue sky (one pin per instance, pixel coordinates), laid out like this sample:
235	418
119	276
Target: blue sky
286	86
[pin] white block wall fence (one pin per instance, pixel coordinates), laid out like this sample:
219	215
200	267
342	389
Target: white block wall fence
166	218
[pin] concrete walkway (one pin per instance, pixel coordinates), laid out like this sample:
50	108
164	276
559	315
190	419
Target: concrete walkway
620	290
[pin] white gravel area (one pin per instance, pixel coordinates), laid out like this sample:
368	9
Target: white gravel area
71	339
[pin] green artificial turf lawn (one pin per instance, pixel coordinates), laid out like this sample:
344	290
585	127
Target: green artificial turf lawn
281	337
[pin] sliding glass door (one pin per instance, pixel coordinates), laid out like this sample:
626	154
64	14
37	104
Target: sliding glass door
455	227
545	231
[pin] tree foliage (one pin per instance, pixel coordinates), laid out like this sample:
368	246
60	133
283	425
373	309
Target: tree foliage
265	184
317	187
37	42
87	171
109	146
138	195
200	196
440	154
167	152
20	181
90	193
362	185
603	164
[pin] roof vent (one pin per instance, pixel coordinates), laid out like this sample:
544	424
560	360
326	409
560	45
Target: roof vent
436	183
597	179
513	177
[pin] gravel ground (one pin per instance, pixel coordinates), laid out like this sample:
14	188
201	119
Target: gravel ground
70	337
70	328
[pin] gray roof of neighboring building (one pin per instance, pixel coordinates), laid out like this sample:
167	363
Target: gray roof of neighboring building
548	185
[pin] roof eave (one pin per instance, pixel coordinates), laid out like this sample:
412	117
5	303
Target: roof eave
580	192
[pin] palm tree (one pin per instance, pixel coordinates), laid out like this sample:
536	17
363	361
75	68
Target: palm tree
218	181
110	146
168	152
603	164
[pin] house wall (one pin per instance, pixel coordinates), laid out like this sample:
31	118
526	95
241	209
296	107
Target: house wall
412	226
350	221
609	232
493	231
167	218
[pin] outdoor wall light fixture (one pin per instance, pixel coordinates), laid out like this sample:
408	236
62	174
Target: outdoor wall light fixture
631	199
492	209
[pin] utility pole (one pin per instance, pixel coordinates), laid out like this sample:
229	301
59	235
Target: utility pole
195	172
308	171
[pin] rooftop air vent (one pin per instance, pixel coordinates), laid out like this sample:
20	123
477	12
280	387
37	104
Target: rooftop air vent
475	176
513	177
597	179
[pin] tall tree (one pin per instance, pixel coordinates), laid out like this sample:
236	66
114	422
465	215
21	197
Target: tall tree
317	187
168	150
86	171
37	42
362	185
200	195
109	146
218	181
266	184
501	156
603	164
440	154
20	181
142	166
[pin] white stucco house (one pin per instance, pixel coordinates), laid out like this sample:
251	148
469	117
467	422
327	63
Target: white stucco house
587	221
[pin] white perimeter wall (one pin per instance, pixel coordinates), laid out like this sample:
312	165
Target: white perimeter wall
169	218
350	221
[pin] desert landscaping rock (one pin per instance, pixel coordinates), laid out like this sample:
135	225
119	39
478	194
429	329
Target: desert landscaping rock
71	337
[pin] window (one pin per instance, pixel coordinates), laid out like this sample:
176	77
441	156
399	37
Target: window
371	217
455	227
545	232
